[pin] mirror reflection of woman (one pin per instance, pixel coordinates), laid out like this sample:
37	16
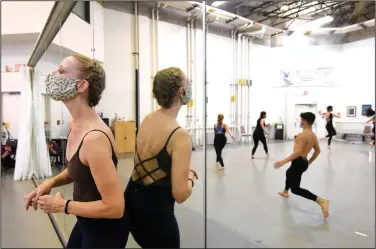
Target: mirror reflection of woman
328	115
220	139
162	173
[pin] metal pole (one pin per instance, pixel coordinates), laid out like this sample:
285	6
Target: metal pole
188	47
194	83
205	120
152	61
137	64
156	50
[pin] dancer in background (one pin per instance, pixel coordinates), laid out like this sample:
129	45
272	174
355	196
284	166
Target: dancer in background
371	113
220	138
259	134
304	142
328	115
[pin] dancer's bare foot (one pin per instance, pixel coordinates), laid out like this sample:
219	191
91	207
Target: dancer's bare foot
253	157
324	204
284	193
221	169
267	155
329	148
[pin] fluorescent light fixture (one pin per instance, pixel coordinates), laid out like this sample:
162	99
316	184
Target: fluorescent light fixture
217	3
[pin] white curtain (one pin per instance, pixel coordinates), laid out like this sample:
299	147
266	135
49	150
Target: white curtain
32	159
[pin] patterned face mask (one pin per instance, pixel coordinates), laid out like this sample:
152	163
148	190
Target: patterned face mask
59	88
187	95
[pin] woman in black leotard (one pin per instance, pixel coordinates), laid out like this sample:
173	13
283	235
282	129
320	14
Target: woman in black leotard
259	134
98	200
220	138
371	113
329	124
162	174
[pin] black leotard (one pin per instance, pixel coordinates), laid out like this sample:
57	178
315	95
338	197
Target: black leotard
330	128
259	135
151	207
220	141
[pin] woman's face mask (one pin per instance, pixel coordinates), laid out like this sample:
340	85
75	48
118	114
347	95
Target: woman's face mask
187	94
59	88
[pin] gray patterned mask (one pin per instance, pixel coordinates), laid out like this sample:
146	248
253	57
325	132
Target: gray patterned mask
59	88
187	95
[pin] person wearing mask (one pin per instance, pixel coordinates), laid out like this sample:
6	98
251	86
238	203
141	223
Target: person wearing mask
98	201
259	134
329	124
162	173
304	143
220	138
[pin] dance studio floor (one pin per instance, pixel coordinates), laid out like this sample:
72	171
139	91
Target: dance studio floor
244	209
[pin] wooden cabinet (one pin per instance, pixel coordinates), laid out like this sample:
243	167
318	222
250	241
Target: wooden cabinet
125	136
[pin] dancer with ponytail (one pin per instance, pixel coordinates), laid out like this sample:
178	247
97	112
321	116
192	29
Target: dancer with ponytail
329	124
220	138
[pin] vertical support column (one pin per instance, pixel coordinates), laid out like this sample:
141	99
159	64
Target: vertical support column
137	66
204	27
152	61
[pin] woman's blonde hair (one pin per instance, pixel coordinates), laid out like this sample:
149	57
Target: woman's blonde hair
94	73
220	119
166	84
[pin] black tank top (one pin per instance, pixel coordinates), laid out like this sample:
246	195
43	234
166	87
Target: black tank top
258	127
219	129
84	187
161	174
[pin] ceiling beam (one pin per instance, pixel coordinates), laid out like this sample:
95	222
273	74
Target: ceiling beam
322	10
358	10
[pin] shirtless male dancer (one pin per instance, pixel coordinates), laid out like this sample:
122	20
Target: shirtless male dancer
304	142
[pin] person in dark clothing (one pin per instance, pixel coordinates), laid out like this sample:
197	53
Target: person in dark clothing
259	134
220	138
98	200
329	124
162	173
304	143
371	113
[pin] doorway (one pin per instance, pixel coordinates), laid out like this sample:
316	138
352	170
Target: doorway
299	108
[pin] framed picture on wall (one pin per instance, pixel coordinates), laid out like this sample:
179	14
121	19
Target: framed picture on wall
351	111
364	109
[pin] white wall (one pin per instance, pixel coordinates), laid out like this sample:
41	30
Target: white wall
26	17
19	17
354	73
18	53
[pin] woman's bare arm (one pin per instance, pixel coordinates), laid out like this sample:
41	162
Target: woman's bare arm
229	131
106	178
370	120
181	144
